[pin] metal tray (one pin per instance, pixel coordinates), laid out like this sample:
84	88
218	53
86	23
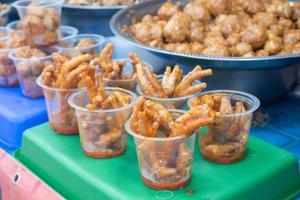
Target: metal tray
269	78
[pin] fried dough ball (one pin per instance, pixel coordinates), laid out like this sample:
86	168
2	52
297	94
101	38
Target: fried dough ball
262	53
253	6
198	12
177	28
242	49
229	24
273	45
218	7
296	48
265	19
196	32
216	50
255	35
233	39
147	30
213	38
291	37
167	10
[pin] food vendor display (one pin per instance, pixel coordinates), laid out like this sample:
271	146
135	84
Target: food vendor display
222	28
89	93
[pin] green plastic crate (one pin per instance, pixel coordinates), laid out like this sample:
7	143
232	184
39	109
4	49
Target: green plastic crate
266	173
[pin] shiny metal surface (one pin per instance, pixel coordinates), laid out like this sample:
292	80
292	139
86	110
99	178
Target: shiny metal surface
269	78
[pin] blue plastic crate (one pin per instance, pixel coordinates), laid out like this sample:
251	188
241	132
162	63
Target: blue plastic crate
18	113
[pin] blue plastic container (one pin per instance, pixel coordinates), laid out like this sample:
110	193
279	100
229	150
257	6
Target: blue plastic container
18	113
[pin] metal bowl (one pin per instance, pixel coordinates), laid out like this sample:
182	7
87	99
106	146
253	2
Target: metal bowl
269	78
90	19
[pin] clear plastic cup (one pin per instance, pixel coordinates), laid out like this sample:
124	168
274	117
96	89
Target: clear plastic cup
170	103
8	74
4	14
102	133
226	140
22	6
67	31
63	31
40	25
129	84
165	163
61	115
29	69
69	45
4	37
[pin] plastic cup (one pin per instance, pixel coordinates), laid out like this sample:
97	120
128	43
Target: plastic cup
4	14
39	28
67	31
29	69
226	140
22	6
63	31
102	133
8	74
69	45
4	37
164	163
129	84
170	103
61	116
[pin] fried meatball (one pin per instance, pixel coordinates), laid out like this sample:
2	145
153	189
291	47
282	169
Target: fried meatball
255	35
265	19
197	32
243	48
213	38
253	6
177	28
198	12
273	45
233	39
216	50
291	37
147	31
196	47
277	29
229	24
167	10
262	53
218	7
296	49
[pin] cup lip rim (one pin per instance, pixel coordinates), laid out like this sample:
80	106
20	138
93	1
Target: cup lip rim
85	35
82	109
72	28
43	86
5	30
13	57
17	5
254	99
15	22
125	80
139	91
135	135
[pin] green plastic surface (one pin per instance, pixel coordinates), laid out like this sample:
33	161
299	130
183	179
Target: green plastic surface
267	172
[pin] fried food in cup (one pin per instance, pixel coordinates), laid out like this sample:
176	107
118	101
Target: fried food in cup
103	133
172	84
63	77
40	25
226	139
167	162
